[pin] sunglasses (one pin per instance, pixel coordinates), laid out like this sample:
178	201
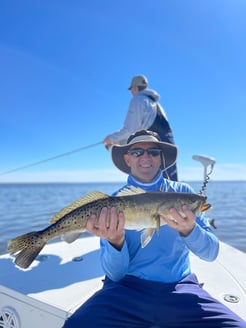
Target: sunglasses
136	152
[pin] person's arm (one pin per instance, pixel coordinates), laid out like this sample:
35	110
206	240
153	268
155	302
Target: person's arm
114	262
202	242
196	233
114	251
133	122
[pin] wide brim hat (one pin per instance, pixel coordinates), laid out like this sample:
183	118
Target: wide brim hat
169	151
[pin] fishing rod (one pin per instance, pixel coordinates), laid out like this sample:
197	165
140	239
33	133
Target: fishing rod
51	158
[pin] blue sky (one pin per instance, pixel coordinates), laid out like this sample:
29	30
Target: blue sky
65	67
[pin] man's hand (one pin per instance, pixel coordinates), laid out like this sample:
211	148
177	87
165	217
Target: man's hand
109	225
183	225
107	142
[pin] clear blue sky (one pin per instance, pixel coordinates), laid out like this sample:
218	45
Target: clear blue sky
65	67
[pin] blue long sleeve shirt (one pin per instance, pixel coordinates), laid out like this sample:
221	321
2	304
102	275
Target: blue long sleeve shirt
166	257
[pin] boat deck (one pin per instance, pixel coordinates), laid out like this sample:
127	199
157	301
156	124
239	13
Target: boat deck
66	275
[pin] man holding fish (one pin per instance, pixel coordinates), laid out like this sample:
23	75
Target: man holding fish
148	281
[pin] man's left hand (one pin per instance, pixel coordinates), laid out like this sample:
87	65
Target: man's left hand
184	225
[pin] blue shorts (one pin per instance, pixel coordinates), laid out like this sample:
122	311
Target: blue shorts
137	303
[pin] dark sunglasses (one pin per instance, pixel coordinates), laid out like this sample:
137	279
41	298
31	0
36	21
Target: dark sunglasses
136	152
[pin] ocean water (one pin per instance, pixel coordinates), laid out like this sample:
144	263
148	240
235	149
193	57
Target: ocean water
27	207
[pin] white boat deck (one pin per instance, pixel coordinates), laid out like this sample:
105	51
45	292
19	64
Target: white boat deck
68	274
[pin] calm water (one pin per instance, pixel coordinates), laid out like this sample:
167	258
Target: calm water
27	207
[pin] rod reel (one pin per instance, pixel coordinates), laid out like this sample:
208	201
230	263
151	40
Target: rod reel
208	163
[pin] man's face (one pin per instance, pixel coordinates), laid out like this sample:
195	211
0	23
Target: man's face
146	166
134	90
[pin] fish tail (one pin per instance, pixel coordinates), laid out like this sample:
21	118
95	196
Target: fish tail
28	246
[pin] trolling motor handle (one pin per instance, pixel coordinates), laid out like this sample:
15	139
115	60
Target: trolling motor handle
206	161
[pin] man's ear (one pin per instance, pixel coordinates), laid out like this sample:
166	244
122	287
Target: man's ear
127	159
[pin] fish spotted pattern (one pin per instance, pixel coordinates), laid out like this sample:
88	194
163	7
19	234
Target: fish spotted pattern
142	211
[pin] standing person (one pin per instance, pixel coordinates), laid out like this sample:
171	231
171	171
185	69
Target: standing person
144	113
152	286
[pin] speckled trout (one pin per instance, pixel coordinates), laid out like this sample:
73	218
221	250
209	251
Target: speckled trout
142	211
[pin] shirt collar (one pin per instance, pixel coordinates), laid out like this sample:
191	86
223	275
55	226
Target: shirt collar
155	185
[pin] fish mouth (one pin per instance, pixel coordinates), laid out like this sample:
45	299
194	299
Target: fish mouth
201	207
205	207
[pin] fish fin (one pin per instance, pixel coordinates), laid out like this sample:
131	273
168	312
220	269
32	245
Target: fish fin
131	190
88	198
70	237
28	248
212	223
205	207
146	236
157	218
25	258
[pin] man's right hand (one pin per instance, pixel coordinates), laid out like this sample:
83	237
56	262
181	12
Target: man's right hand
109	225
107	142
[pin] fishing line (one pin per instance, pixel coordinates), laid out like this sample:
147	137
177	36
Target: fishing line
51	158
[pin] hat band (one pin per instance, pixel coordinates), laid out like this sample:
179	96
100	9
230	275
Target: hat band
146	138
